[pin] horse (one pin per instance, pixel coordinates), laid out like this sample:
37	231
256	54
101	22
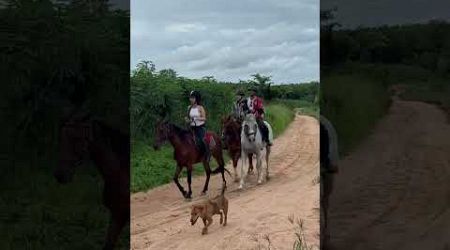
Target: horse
328	169
231	132
81	139
187	154
252	143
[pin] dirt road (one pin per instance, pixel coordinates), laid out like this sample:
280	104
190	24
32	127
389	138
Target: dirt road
394	190
160	217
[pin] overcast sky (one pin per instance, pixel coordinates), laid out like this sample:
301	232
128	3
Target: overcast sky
229	40
354	13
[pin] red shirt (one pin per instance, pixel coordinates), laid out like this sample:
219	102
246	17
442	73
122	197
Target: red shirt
256	106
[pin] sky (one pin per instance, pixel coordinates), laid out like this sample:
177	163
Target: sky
354	13
230	40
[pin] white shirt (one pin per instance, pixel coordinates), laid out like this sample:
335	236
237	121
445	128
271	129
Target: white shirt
250	104
194	115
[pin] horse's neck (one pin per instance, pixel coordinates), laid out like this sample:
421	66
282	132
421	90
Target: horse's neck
175	141
103	156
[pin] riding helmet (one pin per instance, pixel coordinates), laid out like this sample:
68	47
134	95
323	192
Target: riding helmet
240	92
196	95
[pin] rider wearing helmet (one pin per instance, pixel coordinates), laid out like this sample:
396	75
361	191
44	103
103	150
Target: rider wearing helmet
256	107
197	120
240	105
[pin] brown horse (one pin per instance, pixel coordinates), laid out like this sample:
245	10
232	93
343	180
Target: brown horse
231	132
82	139
187	153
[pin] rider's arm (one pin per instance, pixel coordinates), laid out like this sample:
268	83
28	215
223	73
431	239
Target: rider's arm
202	114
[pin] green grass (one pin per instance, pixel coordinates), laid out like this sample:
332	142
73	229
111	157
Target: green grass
434	90
279	117
39	213
353	103
150	168
304	107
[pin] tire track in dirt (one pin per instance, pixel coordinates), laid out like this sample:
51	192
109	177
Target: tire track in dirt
395	188
160	217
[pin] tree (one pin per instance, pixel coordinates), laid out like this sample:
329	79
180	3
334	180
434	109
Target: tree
263	83
168	73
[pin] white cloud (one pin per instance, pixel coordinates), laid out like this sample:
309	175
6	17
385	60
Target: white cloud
230	40
185	27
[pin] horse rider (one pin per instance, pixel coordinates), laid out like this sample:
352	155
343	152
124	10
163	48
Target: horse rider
197	120
240	106
238	113
256	107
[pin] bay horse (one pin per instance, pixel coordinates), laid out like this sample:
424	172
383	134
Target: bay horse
81	139
231	132
252	143
187	154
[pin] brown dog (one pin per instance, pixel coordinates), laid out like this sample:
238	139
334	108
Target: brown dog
206	210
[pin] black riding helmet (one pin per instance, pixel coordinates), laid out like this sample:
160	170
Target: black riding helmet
240	92
252	89
196	95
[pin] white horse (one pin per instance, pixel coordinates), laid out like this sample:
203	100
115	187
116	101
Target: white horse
252	143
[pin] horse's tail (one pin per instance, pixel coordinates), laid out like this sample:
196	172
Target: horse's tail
219	170
223	189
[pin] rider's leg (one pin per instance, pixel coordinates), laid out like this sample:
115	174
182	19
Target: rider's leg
264	130
201	139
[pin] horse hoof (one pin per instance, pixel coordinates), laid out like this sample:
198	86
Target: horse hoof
267	178
259	182
240	187
203	193
236	180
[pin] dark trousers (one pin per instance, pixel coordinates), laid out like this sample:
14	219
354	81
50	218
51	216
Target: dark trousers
264	130
199	132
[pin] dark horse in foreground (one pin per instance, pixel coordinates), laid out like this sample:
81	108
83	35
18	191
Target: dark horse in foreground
187	153
81	139
231	132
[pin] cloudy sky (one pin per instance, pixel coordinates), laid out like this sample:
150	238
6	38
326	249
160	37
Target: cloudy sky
354	13
229	40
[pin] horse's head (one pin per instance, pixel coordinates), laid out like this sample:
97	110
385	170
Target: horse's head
230	126
161	134
74	140
250	127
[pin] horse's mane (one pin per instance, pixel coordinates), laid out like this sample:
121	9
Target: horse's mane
179	131
116	139
230	122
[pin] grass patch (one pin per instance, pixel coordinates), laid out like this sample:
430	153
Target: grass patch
434	90
150	168
39	213
301	106
353	103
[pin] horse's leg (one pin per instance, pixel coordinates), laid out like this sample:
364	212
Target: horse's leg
235	162
243	172
116	224
219	159
175	179
189	180
267	162
258	166
250	163
208	174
